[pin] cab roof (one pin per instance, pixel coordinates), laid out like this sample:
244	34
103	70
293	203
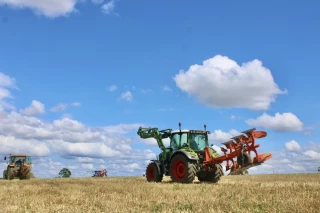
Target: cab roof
188	130
18	155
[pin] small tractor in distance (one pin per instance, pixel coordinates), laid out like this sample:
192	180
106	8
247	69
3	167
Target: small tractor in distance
189	155
19	166
102	173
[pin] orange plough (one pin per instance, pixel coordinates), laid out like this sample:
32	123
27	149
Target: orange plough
239	147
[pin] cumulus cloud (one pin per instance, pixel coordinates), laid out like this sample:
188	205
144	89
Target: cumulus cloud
312	154
87	166
59	107
221	82
294	159
218	136
293	146
108	7
64	106
6	83
153	142
68	138
50	9
35	108
285	122
126	96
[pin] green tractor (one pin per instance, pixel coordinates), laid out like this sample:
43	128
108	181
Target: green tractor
189	155
183	159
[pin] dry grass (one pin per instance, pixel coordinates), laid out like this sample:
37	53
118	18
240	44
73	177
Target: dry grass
253	193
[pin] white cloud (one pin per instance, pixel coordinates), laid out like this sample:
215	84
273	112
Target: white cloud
285	122
166	88
122	128
59	107
108	7
47	8
132	166
297	167
126	96
69	124
293	146
312	154
87	166
220	136
64	106
112	88
84	160
6	83
35	108
97	1
11	144
221	82
153	142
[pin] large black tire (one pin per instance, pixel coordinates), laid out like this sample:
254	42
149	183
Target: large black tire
212	177
153	174
182	170
10	175
4	174
25	173
244	160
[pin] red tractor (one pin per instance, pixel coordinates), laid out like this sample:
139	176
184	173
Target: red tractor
102	173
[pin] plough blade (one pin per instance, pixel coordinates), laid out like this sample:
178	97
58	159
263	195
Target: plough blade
262	158
256	161
240	147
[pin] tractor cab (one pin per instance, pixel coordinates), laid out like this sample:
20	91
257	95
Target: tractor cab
96	173
196	140
16	159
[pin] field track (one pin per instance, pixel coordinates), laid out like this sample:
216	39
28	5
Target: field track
254	193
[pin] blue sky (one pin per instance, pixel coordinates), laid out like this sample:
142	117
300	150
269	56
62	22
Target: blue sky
77	79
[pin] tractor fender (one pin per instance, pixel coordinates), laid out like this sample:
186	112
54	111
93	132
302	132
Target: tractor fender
189	155
158	164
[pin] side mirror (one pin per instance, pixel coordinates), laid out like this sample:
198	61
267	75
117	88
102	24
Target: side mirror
5	158
211	144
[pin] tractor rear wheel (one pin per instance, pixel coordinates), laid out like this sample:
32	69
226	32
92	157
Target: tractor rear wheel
182	170
212	177
153	174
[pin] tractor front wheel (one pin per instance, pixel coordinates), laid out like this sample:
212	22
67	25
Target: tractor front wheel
212	177
4	174
182	170
10	175
153	174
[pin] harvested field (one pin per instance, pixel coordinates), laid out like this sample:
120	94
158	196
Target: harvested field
253	193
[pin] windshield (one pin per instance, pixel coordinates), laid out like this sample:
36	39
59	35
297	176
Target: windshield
176	142
197	141
15	159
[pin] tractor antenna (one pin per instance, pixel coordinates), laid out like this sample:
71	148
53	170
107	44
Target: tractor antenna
180	126
205	127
